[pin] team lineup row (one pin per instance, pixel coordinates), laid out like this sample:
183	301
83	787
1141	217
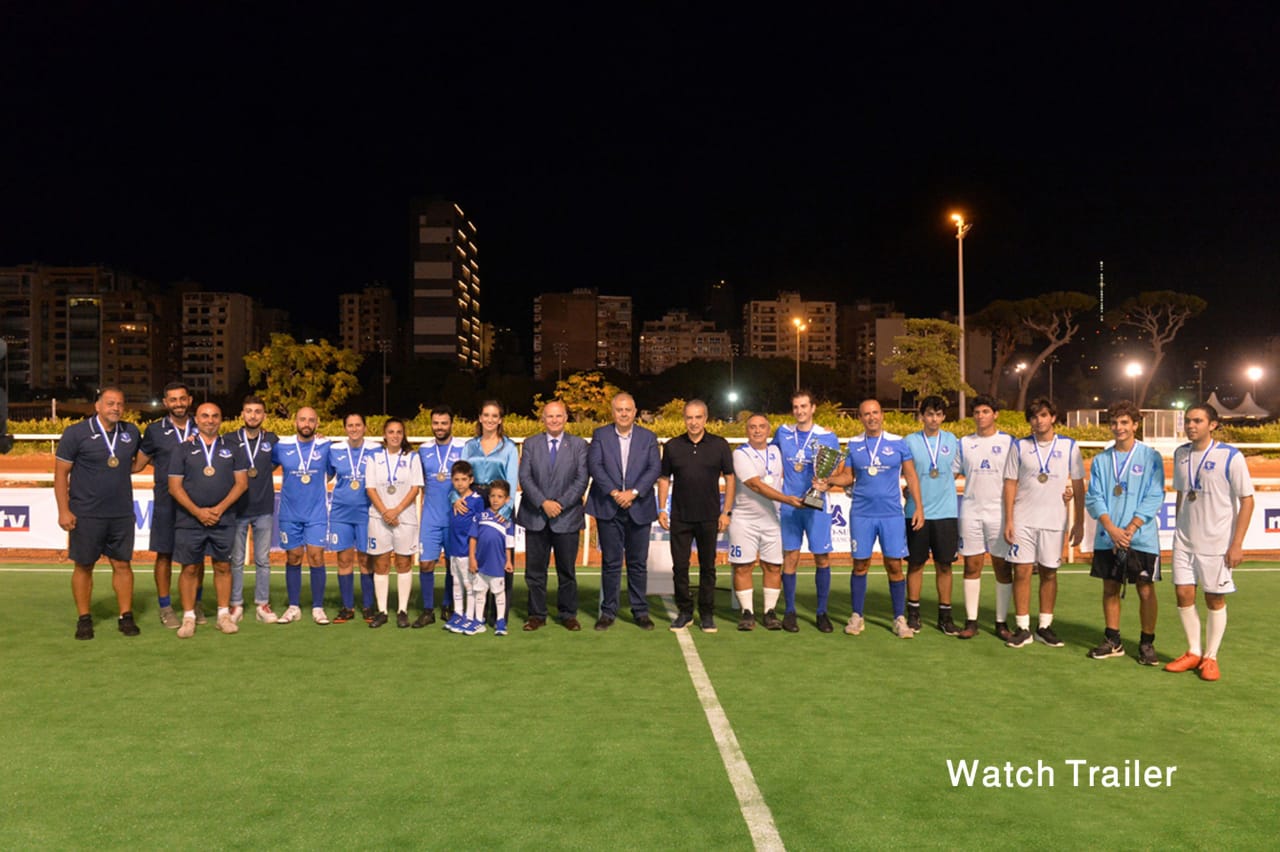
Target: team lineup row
214	493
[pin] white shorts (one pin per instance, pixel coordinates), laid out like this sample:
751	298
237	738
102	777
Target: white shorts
401	539
1210	573
1039	547
979	535
749	542
481	583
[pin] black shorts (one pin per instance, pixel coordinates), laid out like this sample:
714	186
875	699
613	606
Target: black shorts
162	512
191	546
1137	567
941	536
94	537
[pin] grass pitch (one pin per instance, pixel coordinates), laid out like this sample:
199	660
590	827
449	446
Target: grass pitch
301	736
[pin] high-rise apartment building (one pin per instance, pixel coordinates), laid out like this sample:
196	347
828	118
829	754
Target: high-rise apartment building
769	329
218	330
581	330
367	320
445	289
676	338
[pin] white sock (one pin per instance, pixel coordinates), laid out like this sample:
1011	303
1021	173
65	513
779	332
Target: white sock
189	613
223	610
460	586
771	598
498	585
1004	597
1191	627
1214	628
475	604
404	588
381	583
972	597
745	599
1023	622
1046	619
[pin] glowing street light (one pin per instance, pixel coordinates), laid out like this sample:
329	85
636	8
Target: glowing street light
800	326
1253	374
962	228
1133	370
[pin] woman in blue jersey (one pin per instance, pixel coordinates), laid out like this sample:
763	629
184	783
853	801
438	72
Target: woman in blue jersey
492	456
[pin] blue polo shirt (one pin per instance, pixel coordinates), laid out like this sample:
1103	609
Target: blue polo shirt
300	502
188	464
97	490
877	495
159	442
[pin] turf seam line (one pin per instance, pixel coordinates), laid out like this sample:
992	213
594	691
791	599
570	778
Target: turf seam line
755	811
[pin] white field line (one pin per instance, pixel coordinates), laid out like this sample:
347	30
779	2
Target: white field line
66	566
755	811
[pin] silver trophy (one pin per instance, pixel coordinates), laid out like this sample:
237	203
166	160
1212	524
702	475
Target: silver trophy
825	461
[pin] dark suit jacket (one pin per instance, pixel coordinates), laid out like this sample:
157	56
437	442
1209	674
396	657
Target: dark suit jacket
565	483
604	461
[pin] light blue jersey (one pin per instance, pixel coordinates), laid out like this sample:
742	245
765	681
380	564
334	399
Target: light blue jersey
1139	474
937	493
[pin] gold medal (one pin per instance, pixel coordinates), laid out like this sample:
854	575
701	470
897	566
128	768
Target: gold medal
799	467
113	462
253	473
1043	477
1118	490
933	473
1191	496
306	478
440	476
355	485
209	471
872	471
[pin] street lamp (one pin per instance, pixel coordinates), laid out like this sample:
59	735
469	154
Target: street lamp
800	326
1200	365
384	346
1133	370
962	228
1253	374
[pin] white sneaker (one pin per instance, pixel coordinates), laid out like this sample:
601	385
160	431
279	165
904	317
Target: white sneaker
855	625
226	624
290	615
265	615
237	614
318	616
188	628
901	630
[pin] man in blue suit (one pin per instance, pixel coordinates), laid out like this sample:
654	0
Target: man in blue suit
624	464
553	477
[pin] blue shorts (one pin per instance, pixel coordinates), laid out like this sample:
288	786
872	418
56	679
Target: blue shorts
344	536
162	525
891	531
191	545
295	534
432	539
797	524
94	537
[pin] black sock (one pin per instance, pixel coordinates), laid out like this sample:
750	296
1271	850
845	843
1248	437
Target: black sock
1147	638
86	618
944	612
1113	635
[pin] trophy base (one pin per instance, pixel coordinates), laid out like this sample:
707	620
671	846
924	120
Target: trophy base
812	500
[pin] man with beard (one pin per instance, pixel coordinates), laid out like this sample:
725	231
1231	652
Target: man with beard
436	457
158	444
349	518
303	459
254	510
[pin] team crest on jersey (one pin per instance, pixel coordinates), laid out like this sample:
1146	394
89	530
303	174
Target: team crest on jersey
266	446
1056	454
224	453
1137	470
125	437
1209	465
995	450
946	451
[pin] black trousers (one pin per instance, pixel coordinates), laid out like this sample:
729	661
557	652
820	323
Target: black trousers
683	534
538	548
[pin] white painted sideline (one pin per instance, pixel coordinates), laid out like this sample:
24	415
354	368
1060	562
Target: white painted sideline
755	811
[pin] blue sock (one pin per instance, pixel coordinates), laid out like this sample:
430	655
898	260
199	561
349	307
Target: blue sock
317	586
789	591
427	579
293	583
822	579
199	593
347	590
898	592
366	591
165	600
858	591
448	587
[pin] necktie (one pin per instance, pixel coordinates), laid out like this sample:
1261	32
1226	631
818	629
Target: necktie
554	441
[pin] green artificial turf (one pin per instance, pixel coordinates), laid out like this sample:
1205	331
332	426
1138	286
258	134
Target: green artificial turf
301	736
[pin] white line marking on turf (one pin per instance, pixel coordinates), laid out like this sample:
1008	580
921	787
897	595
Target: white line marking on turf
755	811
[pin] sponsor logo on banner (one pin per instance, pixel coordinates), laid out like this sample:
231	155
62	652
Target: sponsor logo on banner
1271	521
15	518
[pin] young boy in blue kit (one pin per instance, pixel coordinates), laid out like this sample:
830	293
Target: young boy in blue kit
457	546
493	537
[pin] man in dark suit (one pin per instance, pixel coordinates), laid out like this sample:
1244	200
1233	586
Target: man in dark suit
624	464
553	478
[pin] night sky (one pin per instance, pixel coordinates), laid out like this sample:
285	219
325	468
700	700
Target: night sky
275	152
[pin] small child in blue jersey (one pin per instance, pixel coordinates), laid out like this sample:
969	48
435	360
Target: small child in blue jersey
493	536
457	546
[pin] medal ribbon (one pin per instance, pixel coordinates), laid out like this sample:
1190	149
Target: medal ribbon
115	436
185	432
1195	483
442	462
763	459
392	470
358	463
208	451
1120	469
305	465
800	448
932	451
875	452
252	453
1044	466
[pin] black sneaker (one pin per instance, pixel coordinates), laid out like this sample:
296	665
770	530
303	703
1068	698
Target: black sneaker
913	619
428	617
344	615
682	622
770	621
367	613
84	627
126	625
379	619
1048	637
746	623
1147	655
947	626
402	619
446	612
1021	639
1003	633
789	622
708	623
824	623
1109	648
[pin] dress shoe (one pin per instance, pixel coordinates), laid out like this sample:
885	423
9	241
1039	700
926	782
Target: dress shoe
533	624
644	622
571	624
604	622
